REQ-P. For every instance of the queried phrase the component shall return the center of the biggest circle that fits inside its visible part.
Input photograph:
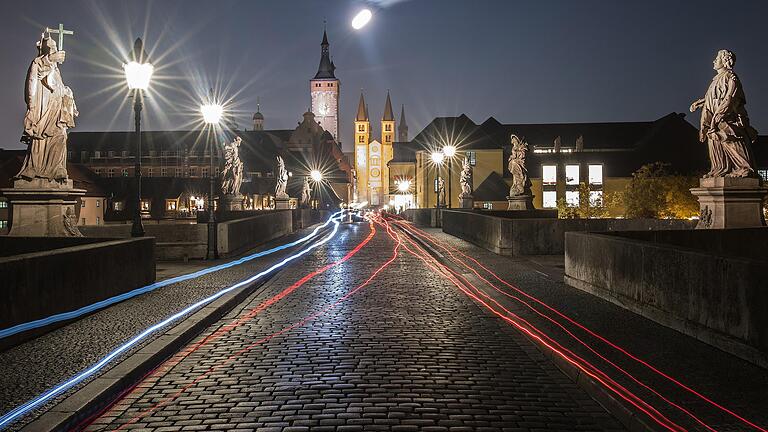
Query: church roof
(326, 68)
(493, 188)
(362, 111)
(388, 115)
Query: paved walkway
(320, 349)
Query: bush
(655, 193)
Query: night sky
(519, 61)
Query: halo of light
(404, 185)
(211, 113)
(361, 19)
(449, 150)
(138, 75)
(437, 157)
(316, 175)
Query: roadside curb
(593, 388)
(102, 391)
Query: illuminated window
(98, 220)
(361, 128)
(549, 199)
(361, 139)
(125, 172)
(82, 203)
(3, 204)
(110, 172)
(388, 138)
(572, 198)
(472, 156)
(388, 128)
(595, 174)
(436, 184)
(595, 198)
(98, 203)
(3, 224)
(549, 174)
(117, 206)
(146, 205)
(170, 204)
(488, 205)
(571, 175)
(763, 173)
(97, 154)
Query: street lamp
(138, 73)
(437, 158)
(212, 113)
(316, 176)
(449, 152)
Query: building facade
(325, 90)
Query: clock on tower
(324, 89)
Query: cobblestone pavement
(725, 379)
(406, 352)
(34, 366)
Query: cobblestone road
(406, 352)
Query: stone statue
(282, 179)
(51, 111)
(466, 180)
(306, 193)
(232, 176)
(516, 164)
(724, 122)
(440, 192)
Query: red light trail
(450, 251)
(293, 326)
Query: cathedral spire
(402, 128)
(388, 114)
(326, 68)
(362, 111)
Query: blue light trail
(10, 331)
(46, 396)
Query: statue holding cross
(51, 111)
(61, 32)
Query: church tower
(402, 129)
(362, 138)
(387, 139)
(324, 90)
(258, 119)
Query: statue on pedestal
(724, 122)
(232, 176)
(520, 183)
(441, 192)
(51, 111)
(282, 179)
(306, 193)
(465, 197)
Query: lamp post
(138, 73)
(449, 151)
(212, 113)
(437, 159)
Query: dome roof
(258, 116)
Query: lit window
(170, 204)
(388, 138)
(595, 174)
(763, 173)
(472, 156)
(388, 127)
(595, 198)
(82, 203)
(361, 128)
(98, 203)
(145, 205)
(549, 174)
(3, 224)
(436, 184)
(361, 139)
(488, 205)
(549, 199)
(3, 204)
(572, 198)
(125, 172)
(572, 175)
(97, 154)
(117, 205)
(98, 220)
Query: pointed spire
(366, 112)
(362, 111)
(402, 117)
(402, 128)
(326, 68)
(388, 114)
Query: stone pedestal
(42, 208)
(282, 203)
(232, 202)
(726, 202)
(467, 202)
(520, 202)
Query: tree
(655, 193)
(591, 205)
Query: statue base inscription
(730, 202)
(232, 202)
(520, 202)
(467, 202)
(43, 208)
(282, 203)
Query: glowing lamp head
(212, 113)
(437, 157)
(404, 186)
(137, 75)
(316, 175)
(361, 19)
(449, 151)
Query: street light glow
(316, 175)
(449, 151)
(437, 157)
(404, 186)
(212, 113)
(361, 19)
(138, 75)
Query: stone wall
(236, 236)
(36, 285)
(709, 284)
(173, 241)
(506, 233)
(428, 217)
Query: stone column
(730, 202)
(520, 202)
(43, 208)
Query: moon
(361, 19)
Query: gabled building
(560, 157)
